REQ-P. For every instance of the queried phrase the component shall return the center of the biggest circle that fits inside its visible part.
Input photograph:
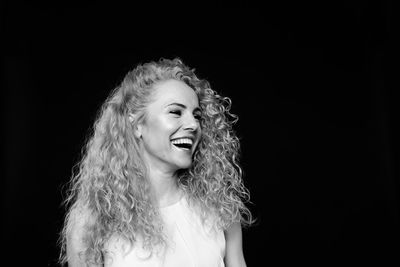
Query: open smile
(183, 143)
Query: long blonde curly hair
(110, 183)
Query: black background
(314, 85)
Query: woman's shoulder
(80, 217)
(79, 220)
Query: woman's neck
(165, 187)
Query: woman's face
(171, 129)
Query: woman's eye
(197, 116)
(176, 112)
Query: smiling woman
(171, 131)
(159, 183)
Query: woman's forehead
(171, 91)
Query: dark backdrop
(314, 85)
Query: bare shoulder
(234, 250)
(79, 220)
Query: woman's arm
(234, 250)
(78, 222)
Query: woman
(159, 183)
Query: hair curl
(111, 183)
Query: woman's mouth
(183, 143)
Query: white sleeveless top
(190, 243)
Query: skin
(173, 113)
(234, 251)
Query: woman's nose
(191, 123)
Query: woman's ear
(138, 130)
(137, 126)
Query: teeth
(182, 141)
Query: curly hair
(111, 183)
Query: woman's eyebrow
(197, 109)
(176, 104)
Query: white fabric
(190, 243)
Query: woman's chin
(183, 165)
